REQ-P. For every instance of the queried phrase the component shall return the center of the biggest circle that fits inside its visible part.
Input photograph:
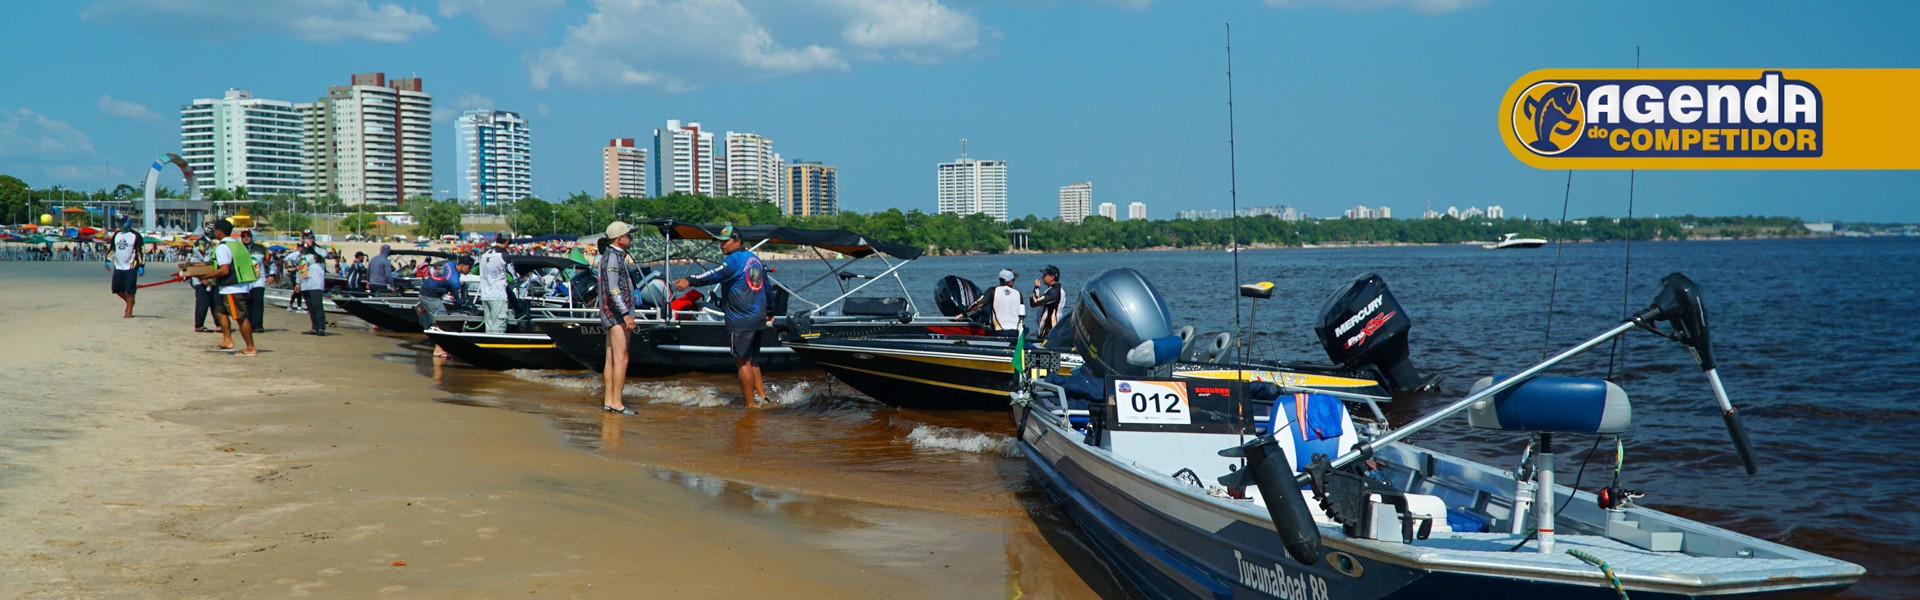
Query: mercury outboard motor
(1363, 327)
(953, 295)
(1121, 326)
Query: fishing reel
(1614, 497)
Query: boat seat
(1208, 347)
(1554, 405)
(874, 307)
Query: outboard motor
(953, 295)
(1121, 326)
(1362, 326)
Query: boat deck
(1626, 559)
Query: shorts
(431, 309)
(126, 281)
(232, 305)
(745, 344)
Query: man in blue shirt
(745, 306)
(442, 282)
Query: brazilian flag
(1020, 354)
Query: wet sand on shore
(137, 461)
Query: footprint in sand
(363, 531)
(476, 512)
(393, 589)
(432, 542)
(329, 572)
(306, 588)
(475, 559)
(486, 533)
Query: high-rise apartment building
(812, 189)
(968, 186)
(494, 157)
(370, 140)
(683, 159)
(242, 141)
(623, 169)
(1108, 210)
(1076, 201)
(1496, 212)
(754, 170)
(1137, 211)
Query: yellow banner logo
(1712, 119)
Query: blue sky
(1376, 102)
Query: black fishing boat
(695, 339)
(523, 345)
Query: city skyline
(882, 104)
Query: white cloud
(30, 141)
(31, 134)
(467, 101)
(228, 20)
(127, 109)
(677, 46)
(1430, 7)
(503, 17)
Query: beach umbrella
(36, 239)
(73, 209)
(277, 248)
(577, 256)
(150, 240)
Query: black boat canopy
(428, 253)
(838, 240)
(528, 261)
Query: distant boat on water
(1513, 240)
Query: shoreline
(146, 465)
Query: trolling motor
(1680, 305)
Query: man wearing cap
(127, 265)
(311, 275)
(442, 281)
(746, 308)
(1008, 310)
(230, 304)
(615, 295)
(1046, 297)
(493, 286)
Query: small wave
(797, 394)
(683, 395)
(934, 437)
(562, 379)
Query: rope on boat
(1595, 561)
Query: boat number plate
(1152, 402)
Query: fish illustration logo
(1549, 118)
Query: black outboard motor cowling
(953, 295)
(1121, 326)
(1362, 326)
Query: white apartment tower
(754, 170)
(623, 169)
(683, 159)
(371, 140)
(243, 141)
(1076, 201)
(969, 186)
(1137, 211)
(1108, 210)
(494, 156)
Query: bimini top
(838, 240)
(427, 253)
(524, 262)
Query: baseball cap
(248, 232)
(306, 233)
(1008, 274)
(728, 233)
(617, 229)
(1051, 270)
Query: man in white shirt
(1009, 308)
(311, 275)
(127, 265)
(493, 286)
(230, 306)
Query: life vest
(243, 269)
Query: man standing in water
(746, 308)
(127, 264)
(615, 295)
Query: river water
(1804, 330)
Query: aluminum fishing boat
(1186, 497)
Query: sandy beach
(138, 462)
